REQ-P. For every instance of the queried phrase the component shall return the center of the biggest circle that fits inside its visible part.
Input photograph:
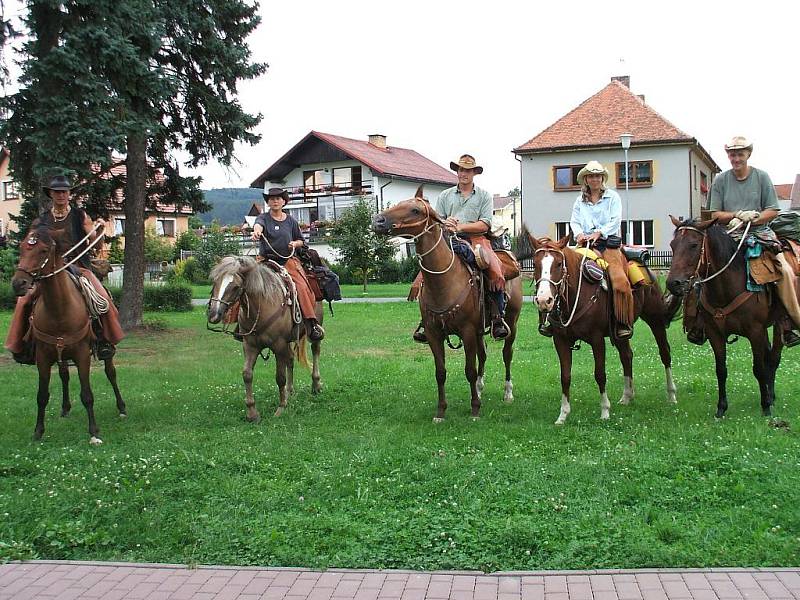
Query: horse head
(688, 246)
(37, 251)
(227, 284)
(407, 218)
(549, 269)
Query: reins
(36, 276)
(414, 239)
(560, 286)
(703, 252)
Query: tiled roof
(784, 191)
(600, 120)
(500, 202)
(117, 200)
(795, 196)
(398, 162)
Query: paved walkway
(69, 580)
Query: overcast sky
(444, 77)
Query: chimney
(623, 79)
(377, 139)
(641, 97)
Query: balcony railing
(309, 193)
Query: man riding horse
(742, 195)
(467, 210)
(76, 225)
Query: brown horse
(60, 325)
(704, 256)
(450, 302)
(268, 318)
(579, 311)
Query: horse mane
(525, 249)
(258, 280)
(718, 238)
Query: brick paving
(70, 580)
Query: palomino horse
(579, 311)
(450, 302)
(268, 318)
(705, 256)
(60, 325)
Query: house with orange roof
(325, 173)
(10, 200)
(784, 193)
(669, 172)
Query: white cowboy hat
(739, 142)
(592, 167)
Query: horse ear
(675, 221)
(702, 225)
(562, 243)
(418, 193)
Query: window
(562, 229)
(119, 226)
(314, 181)
(637, 233)
(10, 190)
(703, 183)
(347, 179)
(641, 174)
(566, 177)
(165, 227)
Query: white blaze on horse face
(544, 291)
(216, 305)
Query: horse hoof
(508, 399)
(95, 441)
(37, 435)
(475, 419)
(254, 418)
(316, 389)
(278, 411)
(438, 420)
(604, 416)
(766, 412)
(559, 421)
(123, 415)
(719, 415)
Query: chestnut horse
(60, 325)
(701, 253)
(268, 318)
(579, 311)
(450, 301)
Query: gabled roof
(388, 162)
(795, 196)
(500, 202)
(116, 203)
(784, 191)
(599, 121)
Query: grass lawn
(374, 290)
(359, 476)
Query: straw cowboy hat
(591, 168)
(57, 184)
(276, 191)
(739, 142)
(466, 161)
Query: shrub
(116, 253)
(193, 272)
(213, 247)
(175, 297)
(188, 240)
(346, 276)
(8, 263)
(156, 248)
(7, 298)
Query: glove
(747, 216)
(734, 224)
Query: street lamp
(625, 140)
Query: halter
(560, 285)
(414, 239)
(703, 253)
(37, 276)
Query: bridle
(561, 285)
(239, 295)
(414, 238)
(33, 240)
(703, 253)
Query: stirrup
(623, 332)
(480, 259)
(25, 357)
(315, 332)
(546, 328)
(419, 335)
(698, 336)
(790, 338)
(500, 329)
(105, 350)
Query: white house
(669, 171)
(325, 173)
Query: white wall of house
(397, 190)
(669, 194)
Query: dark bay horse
(579, 310)
(701, 253)
(60, 325)
(268, 318)
(450, 299)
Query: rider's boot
(545, 326)
(419, 334)
(314, 330)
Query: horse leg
(599, 352)
(481, 352)
(111, 375)
(42, 396)
(472, 340)
(665, 353)
(283, 355)
(717, 341)
(759, 344)
(250, 358)
(83, 362)
(437, 349)
(508, 355)
(63, 373)
(774, 358)
(564, 350)
(290, 373)
(626, 359)
(316, 384)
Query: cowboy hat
(466, 161)
(57, 183)
(276, 191)
(592, 167)
(739, 142)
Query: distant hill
(229, 205)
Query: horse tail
(300, 352)
(667, 304)
(523, 248)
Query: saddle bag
(640, 255)
(592, 272)
(329, 284)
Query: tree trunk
(130, 312)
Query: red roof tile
(500, 202)
(399, 162)
(600, 120)
(784, 191)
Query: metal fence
(660, 260)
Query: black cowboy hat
(57, 183)
(276, 191)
